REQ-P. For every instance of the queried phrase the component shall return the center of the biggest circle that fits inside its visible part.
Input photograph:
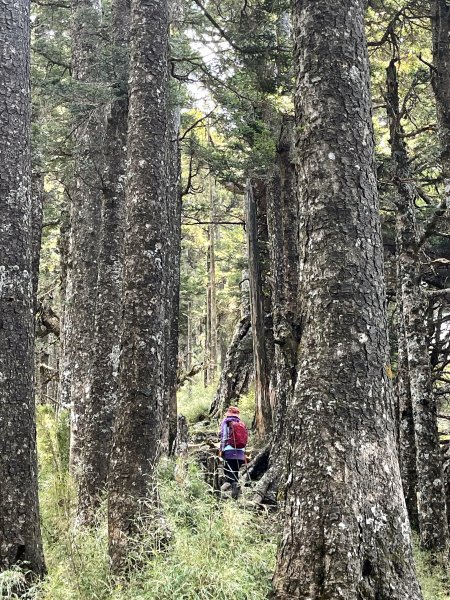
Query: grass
(434, 580)
(217, 549)
(194, 400)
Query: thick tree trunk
(20, 536)
(346, 533)
(85, 220)
(431, 505)
(132, 491)
(237, 370)
(260, 303)
(440, 12)
(100, 404)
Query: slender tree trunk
(346, 533)
(43, 373)
(132, 491)
(431, 505)
(85, 223)
(237, 370)
(283, 223)
(260, 312)
(440, 12)
(37, 198)
(20, 536)
(213, 286)
(100, 404)
(406, 438)
(173, 269)
(189, 338)
(64, 354)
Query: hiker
(233, 439)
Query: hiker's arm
(223, 435)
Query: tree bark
(212, 289)
(173, 269)
(20, 536)
(283, 224)
(260, 303)
(85, 223)
(406, 438)
(37, 196)
(440, 21)
(132, 491)
(431, 498)
(346, 532)
(100, 405)
(237, 370)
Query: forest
(224, 299)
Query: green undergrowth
(217, 549)
(435, 580)
(194, 401)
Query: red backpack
(237, 434)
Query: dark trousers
(231, 468)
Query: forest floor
(219, 549)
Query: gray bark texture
(283, 223)
(431, 497)
(260, 302)
(20, 536)
(283, 227)
(237, 370)
(173, 163)
(100, 404)
(346, 533)
(37, 198)
(85, 220)
(440, 17)
(140, 398)
(406, 438)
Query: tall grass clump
(217, 550)
(77, 561)
(434, 579)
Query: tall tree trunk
(20, 536)
(212, 287)
(85, 220)
(64, 364)
(132, 491)
(406, 438)
(237, 370)
(432, 505)
(100, 404)
(440, 12)
(346, 531)
(261, 325)
(173, 269)
(37, 199)
(283, 223)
